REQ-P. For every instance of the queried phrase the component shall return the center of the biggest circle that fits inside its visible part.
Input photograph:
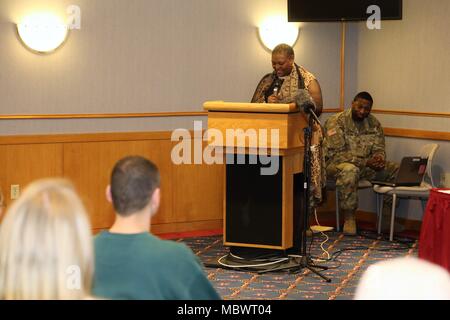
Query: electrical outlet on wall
(15, 191)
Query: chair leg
(379, 211)
(394, 200)
(424, 205)
(338, 228)
(376, 209)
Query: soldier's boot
(350, 222)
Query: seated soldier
(354, 149)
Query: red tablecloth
(434, 243)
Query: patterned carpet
(350, 256)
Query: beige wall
(406, 66)
(149, 56)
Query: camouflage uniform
(348, 145)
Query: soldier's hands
(376, 163)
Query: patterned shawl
(289, 88)
(287, 94)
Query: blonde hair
(46, 249)
(405, 278)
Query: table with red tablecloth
(434, 243)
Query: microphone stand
(305, 259)
(313, 114)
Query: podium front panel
(263, 211)
(253, 205)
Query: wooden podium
(260, 211)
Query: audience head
(46, 249)
(134, 186)
(282, 59)
(404, 279)
(361, 106)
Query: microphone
(276, 85)
(304, 101)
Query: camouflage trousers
(347, 176)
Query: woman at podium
(282, 85)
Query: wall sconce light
(275, 30)
(42, 32)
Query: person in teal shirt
(130, 262)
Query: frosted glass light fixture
(42, 32)
(275, 30)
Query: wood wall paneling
(89, 166)
(192, 194)
(175, 227)
(198, 191)
(21, 164)
(84, 137)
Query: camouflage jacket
(349, 141)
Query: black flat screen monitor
(341, 10)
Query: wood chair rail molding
(417, 134)
(165, 135)
(116, 115)
(410, 113)
(101, 115)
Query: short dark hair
(133, 181)
(364, 95)
(284, 48)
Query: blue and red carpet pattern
(350, 257)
